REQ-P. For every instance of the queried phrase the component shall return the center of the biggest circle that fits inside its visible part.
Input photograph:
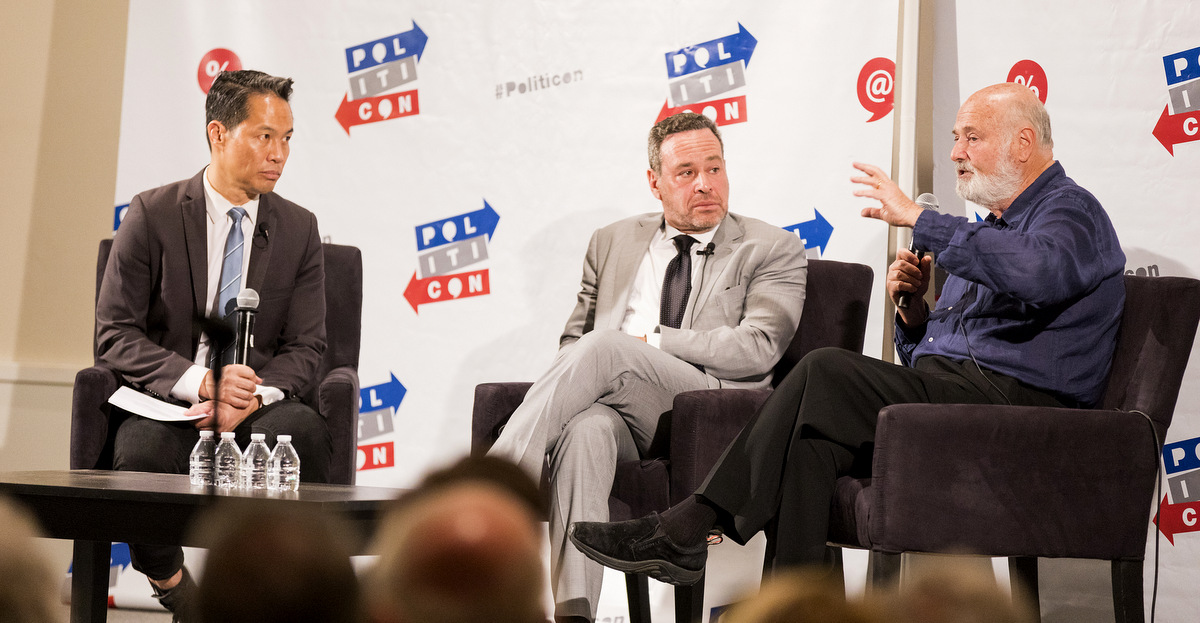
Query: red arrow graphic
(378, 108)
(1176, 518)
(1172, 130)
(446, 288)
(728, 110)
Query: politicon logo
(444, 249)
(377, 409)
(702, 77)
(1180, 118)
(381, 73)
(1180, 512)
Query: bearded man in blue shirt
(1027, 316)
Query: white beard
(990, 190)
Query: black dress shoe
(640, 546)
(179, 599)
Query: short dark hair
(230, 93)
(681, 122)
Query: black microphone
(247, 307)
(265, 232)
(928, 202)
(708, 249)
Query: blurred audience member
(959, 593)
(27, 587)
(266, 565)
(463, 547)
(802, 597)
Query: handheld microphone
(708, 250)
(927, 202)
(247, 307)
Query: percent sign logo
(1030, 75)
(216, 61)
(876, 87)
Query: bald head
(1018, 108)
(468, 552)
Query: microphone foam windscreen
(247, 298)
(927, 201)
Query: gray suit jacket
(156, 283)
(741, 315)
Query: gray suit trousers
(598, 404)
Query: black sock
(689, 522)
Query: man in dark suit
(182, 251)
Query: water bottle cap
(284, 438)
(258, 436)
(228, 435)
(206, 434)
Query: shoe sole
(661, 570)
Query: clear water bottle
(228, 461)
(254, 463)
(284, 473)
(200, 462)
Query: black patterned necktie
(677, 284)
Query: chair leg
(689, 603)
(637, 590)
(1023, 577)
(833, 562)
(883, 571)
(1128, 603)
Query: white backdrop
(1107, 71)
(526, 119)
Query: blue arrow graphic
(386, 50)
(458, 227)
(814, 233)
(730, 49)
(381, 396)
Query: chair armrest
(494, 404)
(337, 401)
(1012, 481)
(703, 423)
(89, 416)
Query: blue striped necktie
(231, 279)
(231, 268)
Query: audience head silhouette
(464, 547)
(267, 565)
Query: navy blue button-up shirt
(1035, 295)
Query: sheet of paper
(134, 401)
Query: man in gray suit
(689, 298)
